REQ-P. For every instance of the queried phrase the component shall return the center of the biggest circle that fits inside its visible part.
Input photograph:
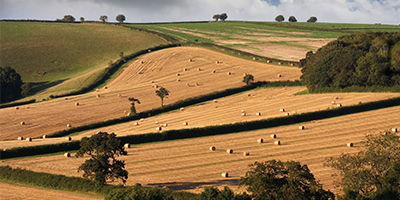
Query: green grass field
(48, 54)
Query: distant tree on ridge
(292, 19)
(312, 19)
(120, 18)
(279, 18)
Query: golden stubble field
(266, 101)
(160, 67)
(189, 164)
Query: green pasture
(70, 56)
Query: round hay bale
(97, 96)
(184, 69)
(190, 60)
(258, 114)
(228, 73)
(249, 95)
(155, 86)
(350, 144)
(287, 114)
(394, 130)
(136, 124)
(199, 69)
(246, 153)
(159, 129)
(142, 62)
(242, 111)
(178, 80)
(196, 84)
(213, 71)
(384, 133)
(165, 125)
(333, 102)
(215, 101)
(230, 151)
(244, 74)
(185, 123)
(77, 104)
(97, 90)
(165, 188)
(151, 81)
(273, 135)
(182, 109)
(28, 139)
(66, 98)
(149, 50)
(129, 114)
(277, 142)
(280, 63)
(22, 123)
(294, 112)
(212, 148)
(301, 127)
(105, 87)
(254, 58)
(282, 110)
(157, 122)
(217, 62)
(178, 74)
(44, 136)
(291, 64)
(67, 155)
(119, 95)
(69, 125)
(187, 84)
(20, 138)
(243, 114)
(17, 108)
(335, 97)
(127, 145)
(338, 105)
(268, 61)
(225, 174)
(141, 119)
(68, 138)
(139, 73)
(279, 75)
(260, 140)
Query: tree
(68, 18)
(213, 193)
(11, 83)
(103, 18)
(372, 173)
(133, 100)
(216, 17)
(82, 19)
(120, 18)
(279, 18)
(162, 92)
(223, 16)
(26, 89)
(292, 19)
(248, 78)
(312, 19)
(102, 165)
(282, 180)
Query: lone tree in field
(120, 18)
(216, 17)
(279, 18)
(248, 79)
(162, 92)
(223, 16)
(67, 18)
(102, 165)
(283, 180)
(292, 19)
(103, 18)
(373, 173)
(133, 100)
(312, 19)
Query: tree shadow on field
(196, 185)
(40, 86)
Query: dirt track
(161, 67)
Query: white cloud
(345, 11)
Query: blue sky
(343, 11)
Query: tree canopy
(248, 78)
(103, 18)
(365, 59)
(103, 148)
(223, 16)
(67, 18)
(373, 173)
(282, 180)
(133, 100)
(120, 18)
(11, 83)
(292, 19)
(279, 18)
(312, 19)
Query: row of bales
(29, 139)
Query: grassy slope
(46, 54)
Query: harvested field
(159, 66)
(228, 110)
(189, 164)
(18, 191)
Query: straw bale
(277, 142)
(273, 135)
(199, 69)
(230, 151)
(185, 123)
(282, 110)
(215, 101)
(105, 87)
(136, 124)
(246, 153)
(243, 114)
(280, 63)
(97, 96)
(16, 108)
(142, 61)
(258, 114)
(301, 127)
(68, 138)
(225, 174)
(67, 155)
(141, 119)
(196, 84)
(287, 114)
(44, 136)
(182, 109)
(159, 129)
(212, 148)
(22, 123)
(29, 139)
(254, 58)
(190, 60)
(338, 105)
(279, 75)
(394, 130)
(268, 61)
(229, 73)
(178, 74)
(260, 140)
(77, 104)
(184, 69)
(350, 144)
(213, 71)
(217, 62)
(178, 80)
(20, 138)
(127, 145)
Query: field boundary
(209, 130)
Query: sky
(140, 11)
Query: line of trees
(69, 18)
(281, 18)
